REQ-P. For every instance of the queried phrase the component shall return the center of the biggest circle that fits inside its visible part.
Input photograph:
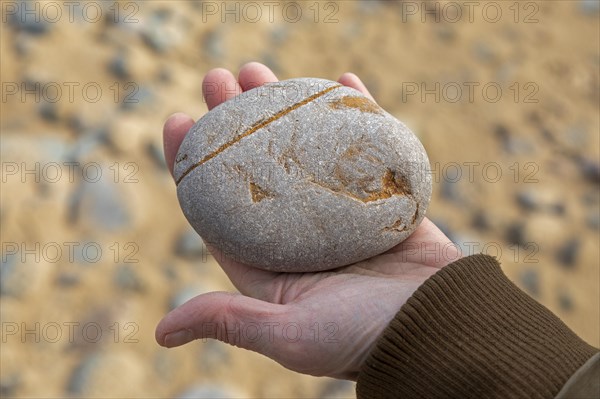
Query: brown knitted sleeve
(468, 331)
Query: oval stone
(302, 175)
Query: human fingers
(231, 318)
(428, 245)
(255, 74)
(174, 131)
(218, 86)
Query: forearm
(468, 331)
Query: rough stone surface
(302, 175)
(530, 280)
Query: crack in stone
(390, 185)
(414, 218)
(363, 104)
(258, 193)
(255, 128)
(398, 226)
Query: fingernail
(178, 338)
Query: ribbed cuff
(468, 331)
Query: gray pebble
(48, 111)
(22, 274)
(558, 208)
(213, 44)
(518, 146)
(154, 34)
(271, 61)
(213, 352)
(484, 52)
(501, 132)
(530, 281)
(527, 200)
(118, 66)
(446, 33)
(481, 221)
(170, 272)
(189, 245)
(165, 75)
(67, 279)
(142, 96)
(590, 169)
(88, 253)
(547, 135)
(302, 175)
(512, 144)
(157, 155)
(591, 198)
(127, 279)
(468, 245)
(108, 373)
(567, 254)
(335, 389)
(155, 40)
(9, 269)
(515, 234)
(565, 301)
(593, 220)
(450, 190)
(53, 148)
(9, 384)
(100, 204)
(82, 374)
(577, 136)
(504, 137)
(350, 31)
(279, 35)
(591, 7)
(368, 6)
(209, 391)
(23, 43)
(90, 139)
(28, 20)
(531, 200)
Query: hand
(324, 323)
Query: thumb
(231, 318)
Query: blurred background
(95, 250)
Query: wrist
(470, 330)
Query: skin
(322, 324)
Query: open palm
(322, 323)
